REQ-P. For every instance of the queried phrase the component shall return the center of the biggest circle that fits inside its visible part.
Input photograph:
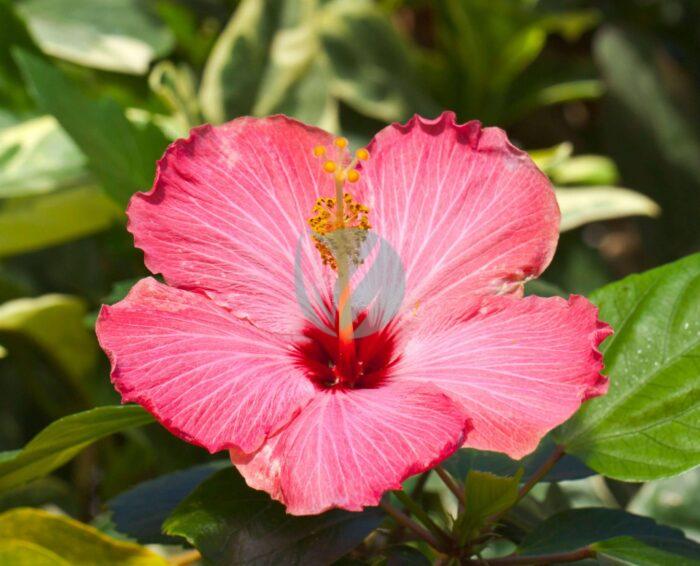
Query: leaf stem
(422, 516)
(452, 486)
(405, 521)
(556, 455)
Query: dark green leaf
(63, 439)
(121, 155)
(232, 524)
(468, 459)
(577, 528)
(646, 427)
(141, 511)
(629, 550)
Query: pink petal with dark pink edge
(208, 377)
(467, 211)
(227, 210)
(348, 447)
(519, 367)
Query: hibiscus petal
(228, 208)
(467, 212)
(208, 377)
(347, 448)
(519, 367)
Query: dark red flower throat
(327, 366)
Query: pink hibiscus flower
(312, 410)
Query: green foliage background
(604, 94)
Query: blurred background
(604, 94)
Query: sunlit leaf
(485, 495)
(236, 65)
(63, 439)
(70, 540)
(584, 170)
(286, 57)
(646, 426)
(582, 205)
(54, 323)
(36, 157)
(115, 35)
(121, 155)
(31, 223)
(23, 553)
(231, 523)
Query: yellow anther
(362, 154)
(353, 176)
(341, 143)
(329, 167)
(319, 150)
(340, 176)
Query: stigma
(339, 224)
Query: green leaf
(121, 155)
(236, 65)
(466, 460)
(646, 426)
(14, 33)
(584, 170)
(22, 553)
(114, 35)
(369, 66)
(577, 528)
(231, 523)
(63, 439)
(674, 501)
(485, 495)
(302, 58)
(582, 205)
(31, 223)
(36, 157)
(54, 323)
(628, 550)
(141, 511)
(69, 540)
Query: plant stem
(405, 521)
(452, 486)
(422, 516)
(556, 455)
(538, 560)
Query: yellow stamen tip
(329, 167)
(319, 150)
(353, 176)
(340, 176)
(362, 154)
(341, 142)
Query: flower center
(339, 227)
(322, 359)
